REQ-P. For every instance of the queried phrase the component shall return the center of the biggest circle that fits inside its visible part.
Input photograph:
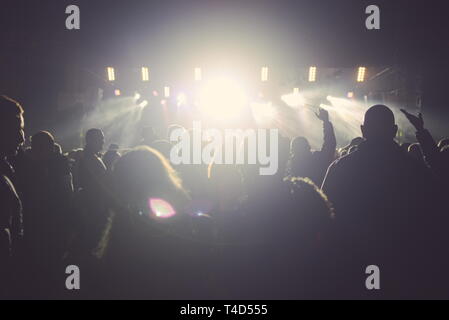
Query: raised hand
(323, 115)
(416, 121)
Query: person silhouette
(310, 164)
(11, 227)
(374, 190)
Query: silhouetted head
(58, 148)
(379, 124)
(356, 141)
(313, 212)
(445, 155)
(11, 126)
(415, 151)
(94, 140)
(443, 143)
(405, 146)
(352, 149)
(144, 173)
(42, 145)
(300, 146)
(163, 146)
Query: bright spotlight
(312, 74)
(222, 98)
(361, 74)
(198, 74)
(166, 92)
(350, 94)
(294, 99)
(137, 96)
(111, 73)
(263, 112)
(145, 74)
(181, 99)
(117, 92)
(264, 74)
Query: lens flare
(161, 208)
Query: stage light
(166, 92)
(264, 74)
(198, 74)
(294, 99)
(137, 96)
(145, 74)
(117, 92)
(361, 74)
(222, 98)
(350, 94)
(181, 99)
(111, 73)
(312, 74)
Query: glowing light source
(295, 90)
(361, 74)
(350, 94)
(137, 96)
(155, 93)
(167, 92)
(222, 98)
(117, 92)
(198, 74)
(161, 208)
(111, 73)
(264, 74)
(145, 74)
(312, 74)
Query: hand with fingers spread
(323, 115)
(416, 121)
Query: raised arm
(428, 145)
(330, 142)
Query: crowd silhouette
(139, 227)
